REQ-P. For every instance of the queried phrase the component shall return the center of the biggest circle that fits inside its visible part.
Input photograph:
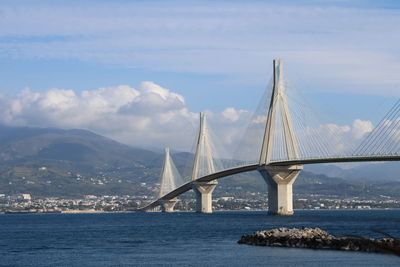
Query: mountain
(70, 162)
(83, 149)
(73, 163)
(317, 184)
(367, 172)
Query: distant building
(226, 198)
(26, 197)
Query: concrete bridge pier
(167, 205)
(280, 180)
(203, 192)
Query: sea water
(182, 239)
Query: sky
(140, 71)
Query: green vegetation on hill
(71, 163)
(54, 162)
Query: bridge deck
(218, 175)
(336, 160)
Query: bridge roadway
(252, 167)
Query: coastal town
(26, 203)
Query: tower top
(278, 117)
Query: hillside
(364, 172)
(70, 163)
(318, 184)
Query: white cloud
(147, 116)
(231, 114)
(335, 140)
(361, 128)
(153, 116)
(260, 119)
(384, 139)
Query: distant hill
(367, 172)
(81, 148)
(49, 161)
(70, 163)
(318, 184)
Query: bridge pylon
(167, 205)
(203, 158)
(167, 183)
(279, 179)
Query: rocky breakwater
(316, 238)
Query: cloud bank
(146, 116)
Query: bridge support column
(168, 204)
(280, 180)
(203, 192)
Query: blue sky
(344, 55)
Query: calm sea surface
(185, 239)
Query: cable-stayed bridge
(286, 144)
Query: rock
(317, 238)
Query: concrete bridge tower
(167, 183)
(279, 178)
(203, 163)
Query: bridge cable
(372, 137)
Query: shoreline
(63, 212)
(177, 211)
